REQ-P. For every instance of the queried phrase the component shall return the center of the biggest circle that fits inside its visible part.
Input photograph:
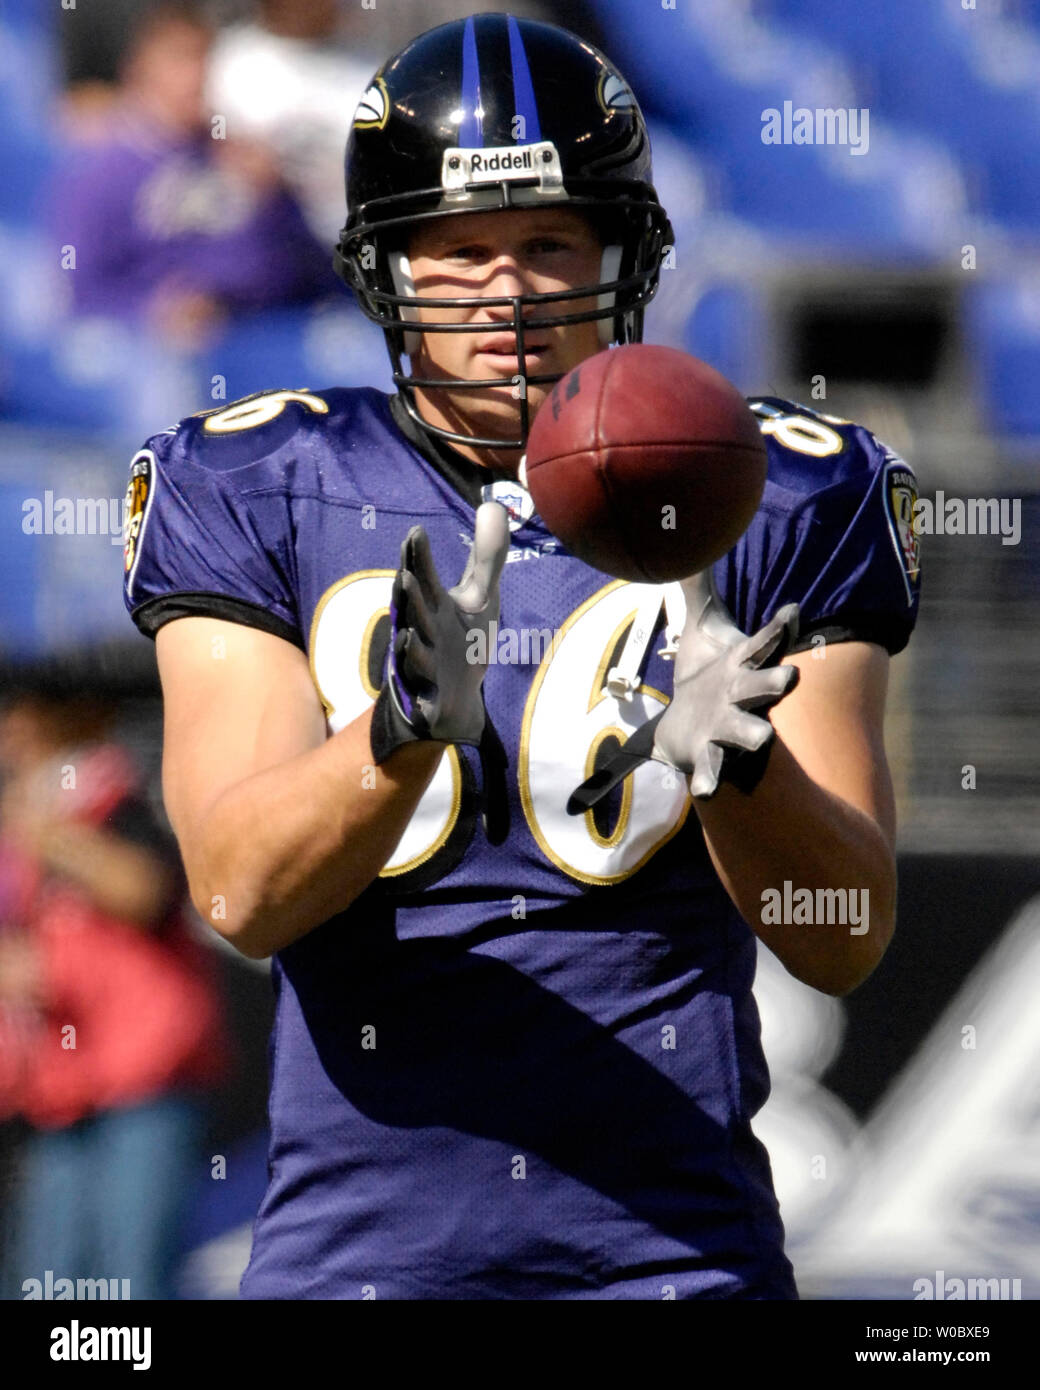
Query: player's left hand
(716, 727)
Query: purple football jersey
(526, 1070)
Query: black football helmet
(495, 112)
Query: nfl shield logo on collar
(516, 500)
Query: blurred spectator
(91, 40)
(110, 1027)
(170, 223)
(293, 75)
(286, 78)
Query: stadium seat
(27, 158)
(713, 72)
(966, 77)
(278, 348)
(21, 559)
(27, 86)
(1002, 319)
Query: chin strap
(623, 679)
(675, 620)
(716, 726)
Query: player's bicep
(236, 702)
(833, 724)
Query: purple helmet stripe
(471, 129)
(523, 88)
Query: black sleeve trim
(857, 627)
(154, 614)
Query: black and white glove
(439, 643)
(716, 727)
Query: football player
(516, 1052)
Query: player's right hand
(440, 640)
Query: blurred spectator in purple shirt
(173, 225)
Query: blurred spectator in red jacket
(110, 1025)
(163, 216)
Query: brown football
(646, 463)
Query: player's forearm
(792, 835)
(288, 848)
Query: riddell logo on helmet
(508, 159)
(466, 166)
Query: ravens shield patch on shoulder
(135, 504)
(900, 501)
